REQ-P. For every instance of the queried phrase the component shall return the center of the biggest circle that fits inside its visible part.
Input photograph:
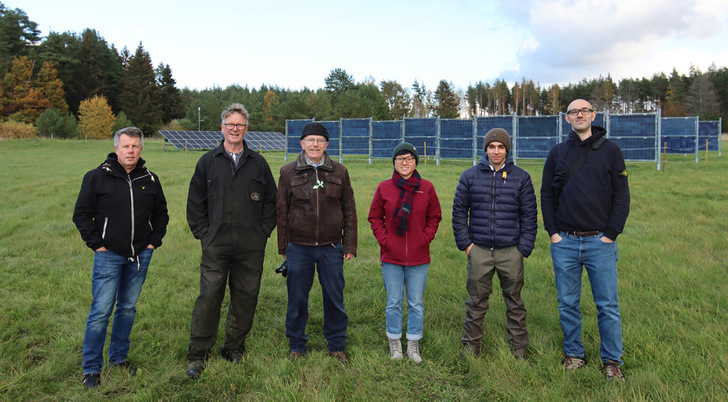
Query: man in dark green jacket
(231, 209)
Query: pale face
(496, 152)
(405, 165)
(580, 123)
(314, 147)
(128, 151)
(234, 136)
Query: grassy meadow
(672, 278)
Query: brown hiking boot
(572, 363)
(612, 371)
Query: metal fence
(641, 136)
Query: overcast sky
(296, 43)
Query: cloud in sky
(625, 38)
(292, 44)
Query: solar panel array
(265, 140)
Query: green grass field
(672, 273)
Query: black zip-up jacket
(122, 212)
(597, 195)
(242, 197)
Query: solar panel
(257, 140)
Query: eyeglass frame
(400, 160)
(585, 111)
(310, 140)
(231, 126)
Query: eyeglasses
(315, 140)
(231, 126)
(575, 112)
(402, 160)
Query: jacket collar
(597, 132)
(483, 164)
(302, 163)
(112, 166)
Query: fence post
(475, 140)
(371, 140)
(697, 140)
(658, 138)
(437, 143)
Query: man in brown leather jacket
(316, 218)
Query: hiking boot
(572, 363)
(91, 380)
(126, 366)
(519, 353)
(295, 355)
(413, 351)
(612, 371)
(469, 350)
(195, 369)
(234, 357)
(395, 349)
(340, 356)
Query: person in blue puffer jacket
(494, 222)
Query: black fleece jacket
(597, 195)
(122, 212)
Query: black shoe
(91, 380)
(295, 355)
(126, 366)
(234, 357)
(340, 356)
(195, 369)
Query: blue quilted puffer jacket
(495, 209)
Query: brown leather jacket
(315, 206)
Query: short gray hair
(234, 108)
(131, 132)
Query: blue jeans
(396, 278)
(302, 262)
(119, 280)
(600, 261)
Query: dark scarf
(406, 196)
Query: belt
(583, 234)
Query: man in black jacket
(231, 209)
(121, 213)
(585, 203)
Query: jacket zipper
(318, 217)
(492, 216)
(106, 223)
(131, 197)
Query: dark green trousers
(482, 265)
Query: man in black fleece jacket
(585, 203)
(121, 214)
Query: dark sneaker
(126, 366)
(234, 357)
(340, 356)
(295, 355)
(572, 363)
(195, 369)
(519, 353)
(91, 380)
(612, 371)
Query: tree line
(70, 85)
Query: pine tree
(447, 101)
(140, 98)
(170, 98)
(17, 35)
(22, 101)
(51, 87)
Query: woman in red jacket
(404, 217)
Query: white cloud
(575, 39)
